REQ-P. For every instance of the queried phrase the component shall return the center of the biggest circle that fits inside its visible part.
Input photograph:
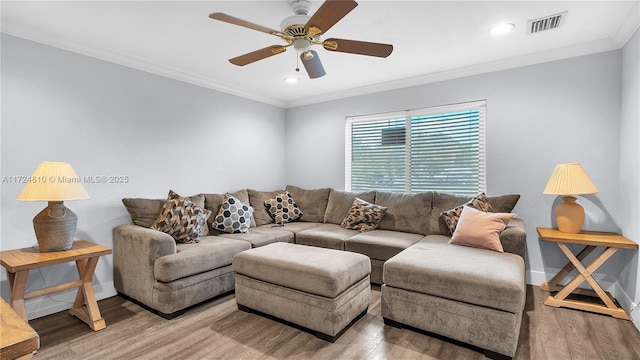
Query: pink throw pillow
(480, 229)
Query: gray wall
(106, 119)
(630, 168)
(537, 116)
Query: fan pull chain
(297, 61)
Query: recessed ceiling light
(291, 80)
(502, 28)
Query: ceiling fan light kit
(302, 31)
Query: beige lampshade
(570, 179)
(53, 181)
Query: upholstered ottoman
(323, 290)
(473, 295)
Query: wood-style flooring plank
(218, 330)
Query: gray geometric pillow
(478, 202)
(233, 216)
(182, 219)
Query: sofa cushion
(407, 212)
(283, 208)
(381, 244)
(256, 200)
(504, 203)
(466, 274)
(341, 201)
(363, 216)
(211, 253)
(480, 229)
(144, 212)
(312, 202)
(451, 216)
(182, 219)
(262, 235)
(234, 216)
(294, 227)
(322, 272)
(330, 236)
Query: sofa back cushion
(256, 200)
(406, 212)
(313, 203)
(503, 203)
(214, 201)
(444, 202)
(340, 202)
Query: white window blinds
(432, 149)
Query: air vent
(546, 23)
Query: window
(431, 149)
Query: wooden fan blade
(313, 65)
(254, 56)
(329, 13)
(235, 21)
(358, 47)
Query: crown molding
(132, 62)
(593, 47)
(627, 29)
(629, 26)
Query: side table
(591, 240)
(18, 340)
(18, 262)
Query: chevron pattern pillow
(182, 219)
(363, 216)
(478, 202)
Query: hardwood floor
(218, 330)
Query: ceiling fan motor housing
(301, 7)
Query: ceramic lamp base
(55, 227)
(569, 215)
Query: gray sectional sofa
(430, 284)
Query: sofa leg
(161, 314)
(393, 323)
(496, 356)
(172, 315)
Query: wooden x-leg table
(591, 240)
(18, 262)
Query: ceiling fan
(302, 31)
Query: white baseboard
(635, 316)
(57, 302)
(633, 309)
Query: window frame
(479, 105)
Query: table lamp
(569, 179)
(55, 226)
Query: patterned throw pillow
(363, 216)
(283, 209)
(233, 216)
(182, 219)
(478, 202)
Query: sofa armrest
(514, 238)
(135, 250)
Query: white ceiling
(433, 40)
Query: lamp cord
(49, 296)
